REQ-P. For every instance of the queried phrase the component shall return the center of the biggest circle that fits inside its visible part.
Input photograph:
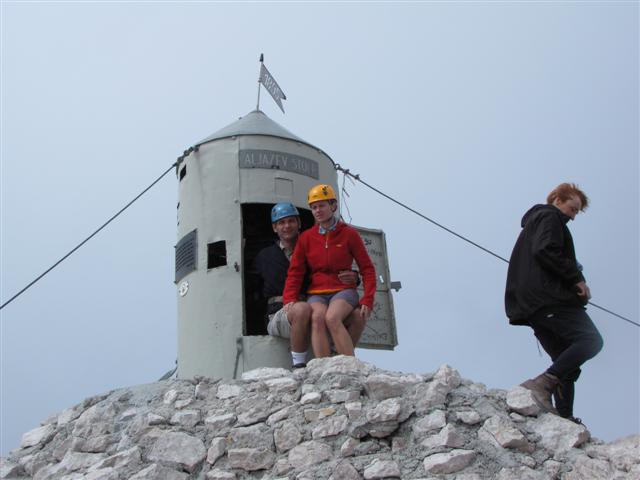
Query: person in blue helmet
(272, 264)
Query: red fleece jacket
(325, 256)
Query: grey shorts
(349, 295)
(279, 325)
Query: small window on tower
(183, 172)
(216, 254)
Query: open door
(380, 331)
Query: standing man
(547, 291)
(272, 263)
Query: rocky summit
(337, 419)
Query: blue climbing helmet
(282, 210)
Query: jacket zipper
(326, 246)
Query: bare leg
(299, 317)
(319, 338)
(336, 314)
(355, 324)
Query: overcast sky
(468, 112)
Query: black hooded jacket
(543, 270)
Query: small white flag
(272, 86)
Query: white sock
(299, 357)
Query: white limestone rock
(155, 419)
(435, 392)
(216, 450)
(345, 471)
(72, 462)
(96, 420)
(434, 421)
(258, 412)
(125, 459)
(354, 410)
(217, 474)
(623, 454)
(521, 400)
(178, 450)
(37, 435)
(449, 462)
(448, 376)
(449, 436)
(469, 417)
(342, 396)
(309, 453)
(67, 416)
(220, 422)
(108, 473)
(382, 469)
(590, 468)
(281, 467)
(128, 414)
(158, 472)
(386, 410)
(203, 390)
(170, 397)
(504, 433)
(123, 423)
(265, 373)
(251, 459)
(381, 386)
(330, 427)
(521, 473)
(558, 434)
(228, 390)
(318, 414)
(282, 385)
(398, 444)
(467, 476)
(281, 414)
(9, 469)
(185, 402)
(186, 418)
(255, 436)
(286, 436)
(348, 448)
(340, 364)
(311, 397)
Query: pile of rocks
(339, 418)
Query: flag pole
(259, 74)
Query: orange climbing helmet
(321, 192)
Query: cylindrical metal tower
(227, 186)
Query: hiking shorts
(349, 295)
(279, 325)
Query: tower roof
(255, 122)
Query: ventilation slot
(217, 254)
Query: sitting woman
(328, 250)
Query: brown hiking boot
(542, 388)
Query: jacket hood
(540, 209)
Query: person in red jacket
(327, 249)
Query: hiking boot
(576, 420)
(542, 388)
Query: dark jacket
(272, 265)
(543, 270)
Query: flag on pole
(272, 86)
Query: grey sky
(469, 113)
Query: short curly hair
(565, 191)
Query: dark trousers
(570, 338)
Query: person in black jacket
(547, 291)
(272, 265)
